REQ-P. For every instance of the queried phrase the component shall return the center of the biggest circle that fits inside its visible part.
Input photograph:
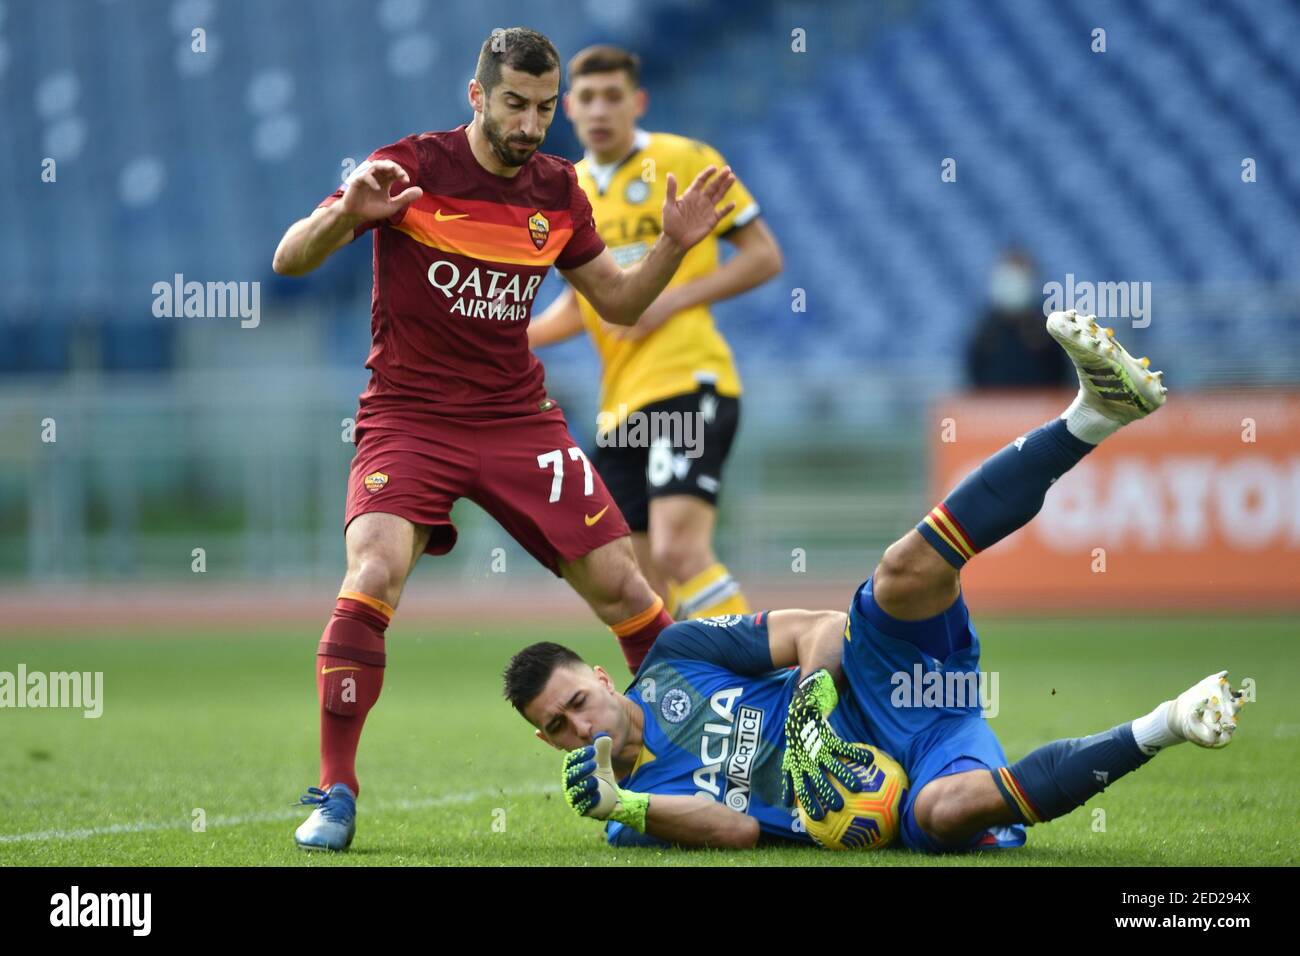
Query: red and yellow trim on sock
(638, 621)
(941, 519)
(370, 602)
(1010, 787)
(947, 536)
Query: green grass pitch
(226, 723)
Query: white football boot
(1114, 387)
(1206, 713)
(333, 823)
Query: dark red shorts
(527, 472)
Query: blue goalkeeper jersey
(715, 712)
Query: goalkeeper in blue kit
(755, 711)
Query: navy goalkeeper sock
(1002, 494)
(1058, 777)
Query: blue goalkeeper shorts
(932, 725)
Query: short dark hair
(529, 670)
(605, 59)
(518, 48)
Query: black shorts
(673, 447)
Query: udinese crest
(675, 706)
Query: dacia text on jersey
(733, 744)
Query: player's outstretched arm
(812, 640)
(561, 320)
(690, 821)
(757, 259)
(619, 295)
(591, 790)
(310, 241)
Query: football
(870, 818)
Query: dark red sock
(638, 633)
(349, 675)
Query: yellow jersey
(627, 201)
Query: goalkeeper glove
(812, 749)
(591, 790)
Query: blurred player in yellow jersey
(670, 395)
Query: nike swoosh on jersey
(331, 670)
(592, 519)
(438, 215)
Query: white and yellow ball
(870, 818)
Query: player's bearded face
(513, 125)
(511, 148)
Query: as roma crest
(539, 228)
(375, 481)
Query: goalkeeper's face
(577, 703)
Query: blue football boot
(333, 823)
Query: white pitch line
(271, 816)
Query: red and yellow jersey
(456, 273)
(627, 200)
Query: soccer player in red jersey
(466, 223)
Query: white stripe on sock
(722, 588)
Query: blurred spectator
(1011, 348)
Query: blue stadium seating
(1122, 165)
